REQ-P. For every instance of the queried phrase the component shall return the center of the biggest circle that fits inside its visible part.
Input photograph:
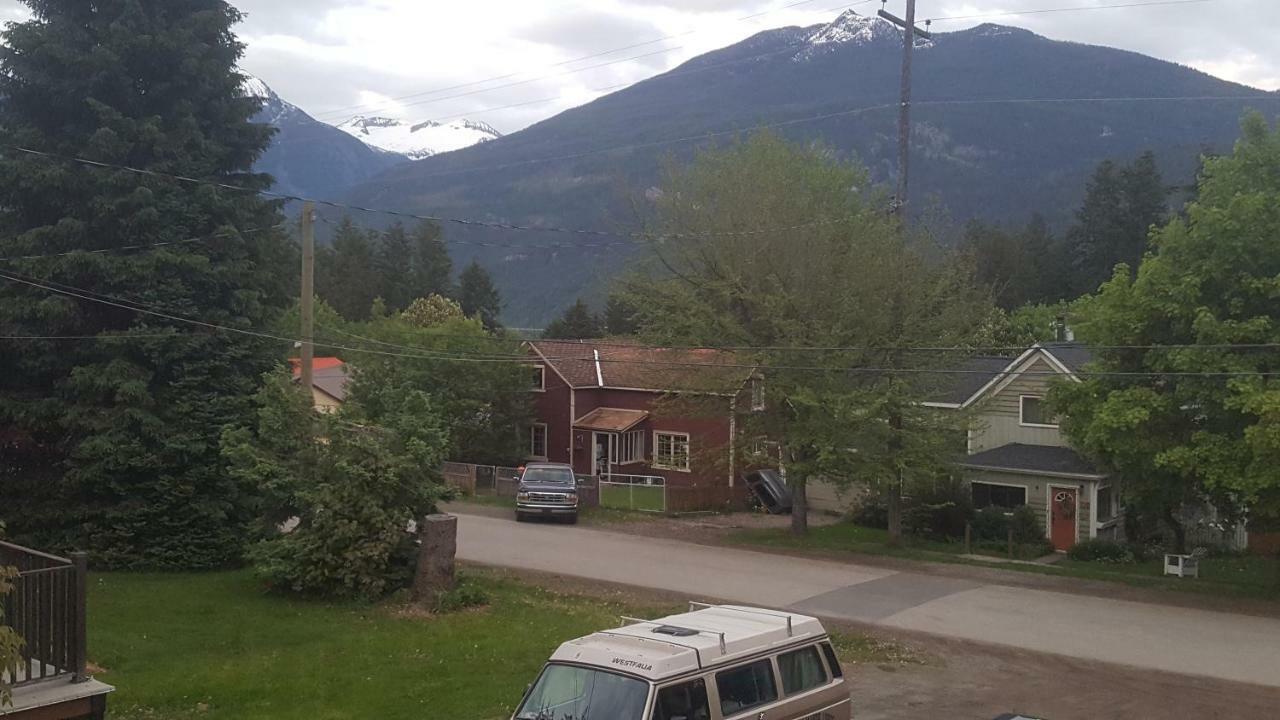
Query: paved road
(1193, 642)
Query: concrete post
(436, 566)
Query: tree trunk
(893, 504)
(435, 572)
(1179, 532)
(799, 505)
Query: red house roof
(320, 363)
(586, 364)
(329, 376)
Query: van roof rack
(695, 606)
(676, 630)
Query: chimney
(1062, 332)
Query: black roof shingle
(1017, 457)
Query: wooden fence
(500, 481)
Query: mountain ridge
(306, 157)
(1006, 122)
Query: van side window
(686, 701)
(801, 670)
(745, 687)
(833, 662)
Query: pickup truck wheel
(572, 519)
(519, 517)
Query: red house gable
(628, 409)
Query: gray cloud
(582, 32)
(326, 55)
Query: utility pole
(909, 33)
(308, 294)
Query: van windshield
(548, 475)
(564, 692)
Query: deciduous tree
(849, 276)
(339, 492)
(1211, 281)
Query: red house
(611, 409)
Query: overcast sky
(336, 58)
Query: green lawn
(845, 537)
(214, 646)
(1244, 576)
(633, 497)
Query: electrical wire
(408, 215)
(1077, 8)
(524, 360)
(738, 131)
(132, 248)
(370, 107)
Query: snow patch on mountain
(275, 109)
(850, 28)
(421, 140)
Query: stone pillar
(435, 575)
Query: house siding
(552, 407)
(707, 427)
(998, 419)
(1038, 494)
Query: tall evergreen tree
(1020, 267)
(394, 270)
(620, 315)
(577, 323)
(478, 297)
(345, 274)
(432, 268)
(1120, 207)
(130, 421)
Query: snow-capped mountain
(850, 28)
(418, 141)
(307, 157)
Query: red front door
(1062, 517)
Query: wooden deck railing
(46, 607)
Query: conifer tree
(129, 420)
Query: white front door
(601, 447)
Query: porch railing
(46, 607)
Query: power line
(346, 110)
(1077, 8)
(149, 246)
(827, 116)
(408, 215)
(89, 296)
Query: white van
(716, 662)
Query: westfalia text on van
(716, 662)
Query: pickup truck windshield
(564, 692)
(548, 475)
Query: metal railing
(46, 608)
(646, 493)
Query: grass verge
(214, 646)
(1238, 576)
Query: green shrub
(938, 513)
(465, 594)
(1109, 551)
(991, 523)
(1027, 527)
(871, 513)
(351, 495)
